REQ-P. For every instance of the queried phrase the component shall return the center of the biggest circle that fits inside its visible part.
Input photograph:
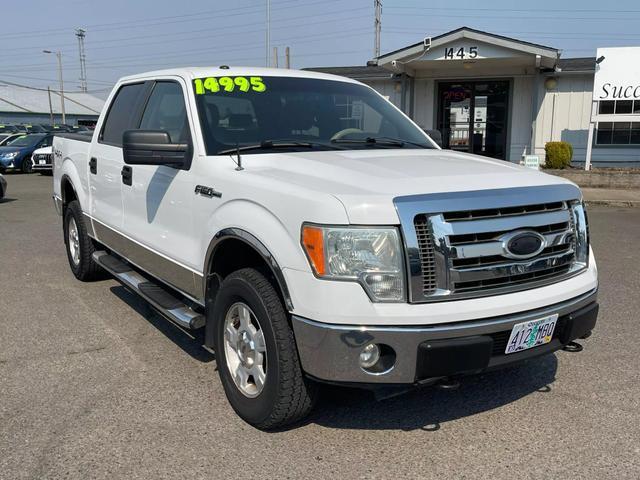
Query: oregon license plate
(531, 334)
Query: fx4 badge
(207, 191)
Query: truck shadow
(426, 408)
(429, 408)
(189, 341)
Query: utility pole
(275, 57)
(59, 55)
(50, 106)
(287, 58)
(80, 33)
(268, 39)
(377, 25)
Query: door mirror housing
(435, 135)
(154, 147)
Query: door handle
(127, 175)
(93, 165)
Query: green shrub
(558, 154)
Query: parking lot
(95, 384)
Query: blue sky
(129, 36)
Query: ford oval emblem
(522, 244)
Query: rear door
(106, 162)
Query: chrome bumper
(57, 202)
(330, 352)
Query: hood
(367, 181)
(43, 150)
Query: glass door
(472, 117)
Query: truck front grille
(462, 252)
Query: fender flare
(259, 247)
(63, 180)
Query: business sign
(617, 75)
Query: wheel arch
(219, 263)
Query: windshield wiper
(273, 144)
(383, 141)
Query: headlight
(10, 155)
(582, 233)
(371, 256)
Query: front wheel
(27, 165)
(256, 353)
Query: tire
(79, 245)
(27, 165)
(285, 396)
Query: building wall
(564, 115)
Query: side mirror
(435, 135)
(154, 147)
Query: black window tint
(606, 107)
(166, 111)
(121, 114)
(636, 106)
(47, 142)
(635, 133)
(603, 136)
(621, 132)
(624, 106)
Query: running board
(165, 302)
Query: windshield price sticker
(228, 84)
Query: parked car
(8, 129)
(34, 128)
(314, 246)
(3, 186)
(6, 138)
(17, 154)
(41, 160)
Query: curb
(614, 203)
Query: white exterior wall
(564, 115)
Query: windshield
(298, 114)
(26, 140)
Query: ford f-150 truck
(317, 234)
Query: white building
(502, 97)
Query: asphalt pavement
(95, 384)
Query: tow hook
(573, 347)
(448, 383)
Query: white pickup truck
(318, 235)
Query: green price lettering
(203, 86)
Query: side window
(121, 115)
(47, 142)
(166, 111)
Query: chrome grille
(427, 260)
(42, 156)
(461, 252)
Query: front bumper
(331, 352)
(42, 168)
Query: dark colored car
(34, 128)
(17, 155)
(4, 128)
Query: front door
(472, 116)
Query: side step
(165, 302)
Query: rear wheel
(256, 353)
(79, 245)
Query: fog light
(369, 355)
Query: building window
(618, 107)
(618, 133)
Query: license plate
(531, 334)
(42, 162)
